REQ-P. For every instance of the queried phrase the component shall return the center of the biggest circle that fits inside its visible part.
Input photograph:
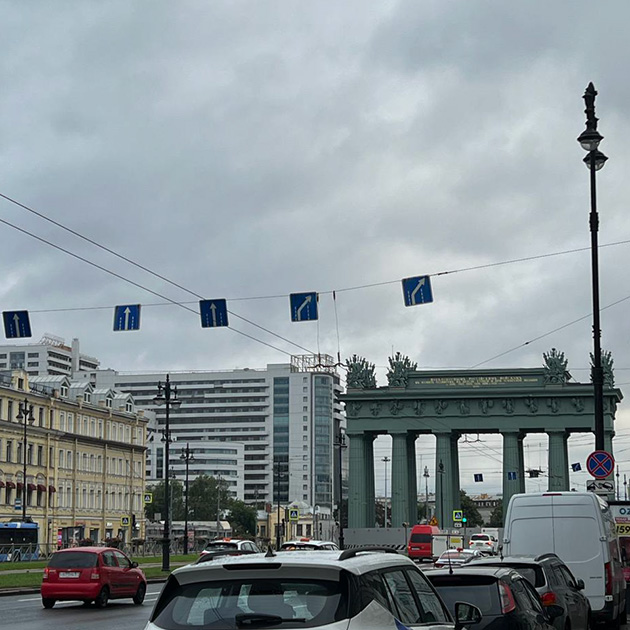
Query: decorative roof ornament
(607, 369)
(399, 368)
(360, 373)
(555, 368)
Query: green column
(608, 441)
(370, 498)
(444, 480)
(511, 482)
(457, 500)
(400, 479)
(357, 481)
(567, 478)
(521, 463)
(558, 461)
(412, 516)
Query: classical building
(85, 458)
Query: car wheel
(103, 598)
(138, 598)
(47, 602)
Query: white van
(578, 527)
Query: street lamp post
(426, 493)
(278, 505)
(187, 457)
(385, 460)
(441, 478)
(589, 139)
(167, 395)
(25, 413)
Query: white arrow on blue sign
(417, 290)
(511, 475)
(16, 324)
(213, 313)
(303, 306)
(127, 317)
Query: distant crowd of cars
(233, 584)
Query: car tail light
(548, 598)
(46, 573)
(95, 575)
(609, 578)
(489, 543)
(507, 599)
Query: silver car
(350, 590)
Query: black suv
(506, 599)
(555, 584)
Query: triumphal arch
(451, 403)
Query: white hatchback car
(358, 589)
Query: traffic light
(464, 520)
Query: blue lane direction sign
(417, 290)
(127, 317)
(303, 306)
(478, 477)
(576, 467)
(213, 313)
(16, 324)
(600, 464)
(511, 475)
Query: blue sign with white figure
(16, 324)
(213, 313)
(127, 317)
(417, 290)
(303, 307)
(478, 477)
(511, 475)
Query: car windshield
(534, 575)
(480, 537)
(73, 560)
(482, 593)
(251, 603)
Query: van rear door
(568, 526)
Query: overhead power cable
(136, 284)
(136, 264)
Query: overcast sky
(254, 149)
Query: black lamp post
(278, 477)
(167, 395)
(187, 457)
(25, 413)
(341, 445)
(589, 139)
(385, 460)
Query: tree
(157, 505)
(205, 495)
(496, 518)
(242, 518)
(470, 511)
(421, 511)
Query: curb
(6, 592)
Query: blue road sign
(213, 313)
(600, 464)
(16, 324)
(478, 477)
(576, 467)
(303, 306)
(417, 290)
(511, 475)
(127, 317)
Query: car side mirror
(466, 615)
(553, 611)
(134, 565)
(579, 584)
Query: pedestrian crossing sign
(294, 514)
(124, 521)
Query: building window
(10, 410)
(61, 459)
(41, 417)
(40, 455)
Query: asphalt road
(25, 612)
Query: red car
(92, 574)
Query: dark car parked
(555, 584)
(505, 598)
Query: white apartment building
(271, 434)
(50, 357)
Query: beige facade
(85, 459)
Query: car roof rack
(542, 556)
(351, 553)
